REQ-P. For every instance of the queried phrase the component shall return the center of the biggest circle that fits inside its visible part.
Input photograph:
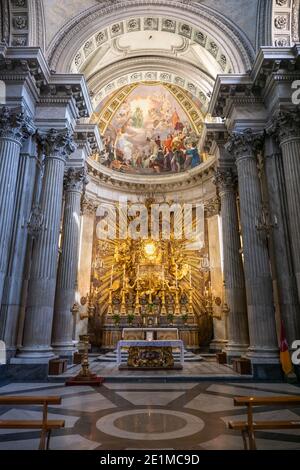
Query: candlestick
(111, 276)
(190, 276)
(176, 276)
(124, 272)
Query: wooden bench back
(18, 400)
(264, 401)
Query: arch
(230, 39)
(143, 69)
(154, 23)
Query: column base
(34, 356)
(65, 351)
(217, 345)
(265, 364)
(10, 353)
(235, 350)
(267, 372)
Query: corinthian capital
(286, 125)
(57, 144)
(244, 144)
(76, 179)
(15, 125)
(225, 179)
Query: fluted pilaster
(14, 128)
(41, 290)
(11, 301)
(287, 128)
(286, 281)
(261, 313)
(68, 264)
(238, 335)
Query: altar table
(174, 344)
(159, 334)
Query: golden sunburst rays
(123, 260)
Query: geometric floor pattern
(119, 416)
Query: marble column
(42, 283)
(285, 278)
(212, 209)
(287, 128)
(14, 127)
(235, 294)
(11, 301)
(263, 349)
(89, 208)
(63, 325)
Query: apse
(155, 129)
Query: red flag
(285, 357)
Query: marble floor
(119, 416)
(206, 369)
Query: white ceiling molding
(150, 24)
(149, 69)
(220, 35)
(285, 22)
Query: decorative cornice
(15, 125)
(189, 179)
(88, 134)
(29, 61)
(271, 64)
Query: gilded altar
(150, 283)
(150, 358)
(150, 354)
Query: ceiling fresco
(150, 132)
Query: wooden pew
(248, 427)
(44, 424)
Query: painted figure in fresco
(150, 134)
(138, 118)
(125, 146)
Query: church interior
(150, 225)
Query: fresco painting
(150, 134)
